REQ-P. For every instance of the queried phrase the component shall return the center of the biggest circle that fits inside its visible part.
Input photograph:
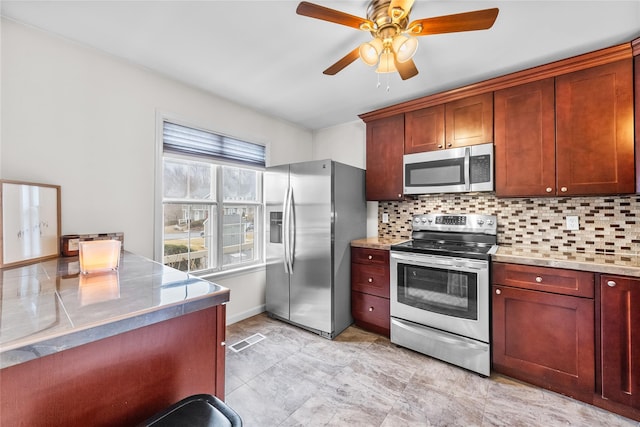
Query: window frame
(218, 204)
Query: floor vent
(247, 342)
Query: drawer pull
(549, 189)
(498, 291)
(370, 308)
(539, 279)
(563, 189)
(370, 256)
(370, 279)
(611, 283)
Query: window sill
(231, 273)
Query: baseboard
(246, 314)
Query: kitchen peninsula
(106, 348)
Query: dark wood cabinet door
(525, 140)
(469, 121)
(424, 130)
(385, 148)
(545, 339)
(620, 332)
(371, 312)
(594, 130)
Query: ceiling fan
(394, 42)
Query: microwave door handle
(467, 168)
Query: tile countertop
(47, 307)
(376, 243)
(618, 264)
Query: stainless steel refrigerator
(314, 210)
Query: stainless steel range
(440, 288)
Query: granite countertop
(376, 243)
(48, 307)
(619, 264)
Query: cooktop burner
(468, 235)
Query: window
(211, 200)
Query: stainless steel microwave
(454, 170)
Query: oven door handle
(434, 261)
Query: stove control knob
(480, 221)
(430, 220)
(489, 222)
(424, 219)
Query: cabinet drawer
(370, 256)
(370, 279)
(546, 279)
(371, 312)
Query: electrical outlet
(573, 222)
(385, 218)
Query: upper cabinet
(424, 130)
(466, 121)
(385, 148)
(594, 130)
(525, 142)
(469, 121)
(582, 146)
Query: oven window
(444, 291)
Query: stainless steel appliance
(314, 210)
(440, 288)
(454, 170)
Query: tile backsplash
(607, 224)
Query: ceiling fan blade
(467, 21)
(406, 69)
(324, 13)
(398, 9)
(346, 60)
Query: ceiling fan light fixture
(404, 47)
(369, 52)
(387, 64)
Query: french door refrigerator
(313, 211)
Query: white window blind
(184, 140)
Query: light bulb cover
(370, 51)
(404, 47)
(387, 63)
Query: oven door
(446, 293)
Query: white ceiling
(260, 53)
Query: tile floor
(296, 378)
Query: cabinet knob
(370, 256)
(370, 308)
(439, 145)
(549, 189)
(498, 291)
(539, 279)
(611, 283)
(399, 196)
(563, 189)
(370, 279)
(223, 343)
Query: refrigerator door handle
(285, 230)
(292, 225)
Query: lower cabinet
(542, 332)
(370, 289)
(620, 335)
